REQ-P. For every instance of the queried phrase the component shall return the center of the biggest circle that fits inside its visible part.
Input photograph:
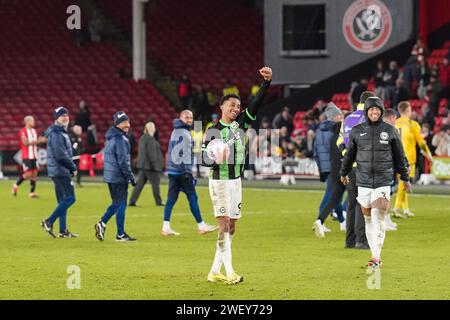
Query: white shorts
(366, 196)
(226, 197)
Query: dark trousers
(356, 226)
(334, 200)
(119, 195)
(65, 195)
(144, 176)
(186, 184)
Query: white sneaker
(408, 213)
(343, 226)
(325, 229)
(207, 229)
(318, 229)
(292, 179)
(390, 227)
(169, 232)
(389, 222)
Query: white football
(215, 148)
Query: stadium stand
(210, 48)
(41, 68)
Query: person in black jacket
(378, 151)
(337, 189)
(150, 165)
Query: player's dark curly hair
(227, 97)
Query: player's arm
(27, 142)
(340, 141)
(349, 157)
(62, 156)
(422, 143)
(256, 103)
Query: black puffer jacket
(378, 151)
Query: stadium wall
(340, 54)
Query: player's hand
(345, 180)
(41, 140)
(75, 173)
(223, 156)
(133, 182)
(266, 72)
(408, 186)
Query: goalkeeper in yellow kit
(411, 136)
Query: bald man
(179, 168)
(28, 145)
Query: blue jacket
(117, 163)
(181, 156)
(322, 146)
(59, 152)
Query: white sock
(379, 231)
(217, 263)
(166, 225)
(103, 224)
(226, 254)
(388, 219)
(369, 232)
(201, 225)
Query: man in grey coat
(150, 165)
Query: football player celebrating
(224, 151)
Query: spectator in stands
(378, 76)
(444, 77)
(214, 119)
(358, 90)
(433, 93)
(92, 136)
(230, 88)
(211, 96)
(312, 123)
(83, 117)
(265, 123)
(75, 135)
(420, 50)
(150, 165)
(319, 107)
(400, 93)
(184, 90)
(441, 141)
(423, 79)
(283, 119)
(200, 104)
(156, 133)
(390, 77)
(96, 27)
(254, 88)
(411, 75)
(427, 117)
(428, 135)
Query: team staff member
(61, 169)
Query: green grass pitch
(274, 249)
